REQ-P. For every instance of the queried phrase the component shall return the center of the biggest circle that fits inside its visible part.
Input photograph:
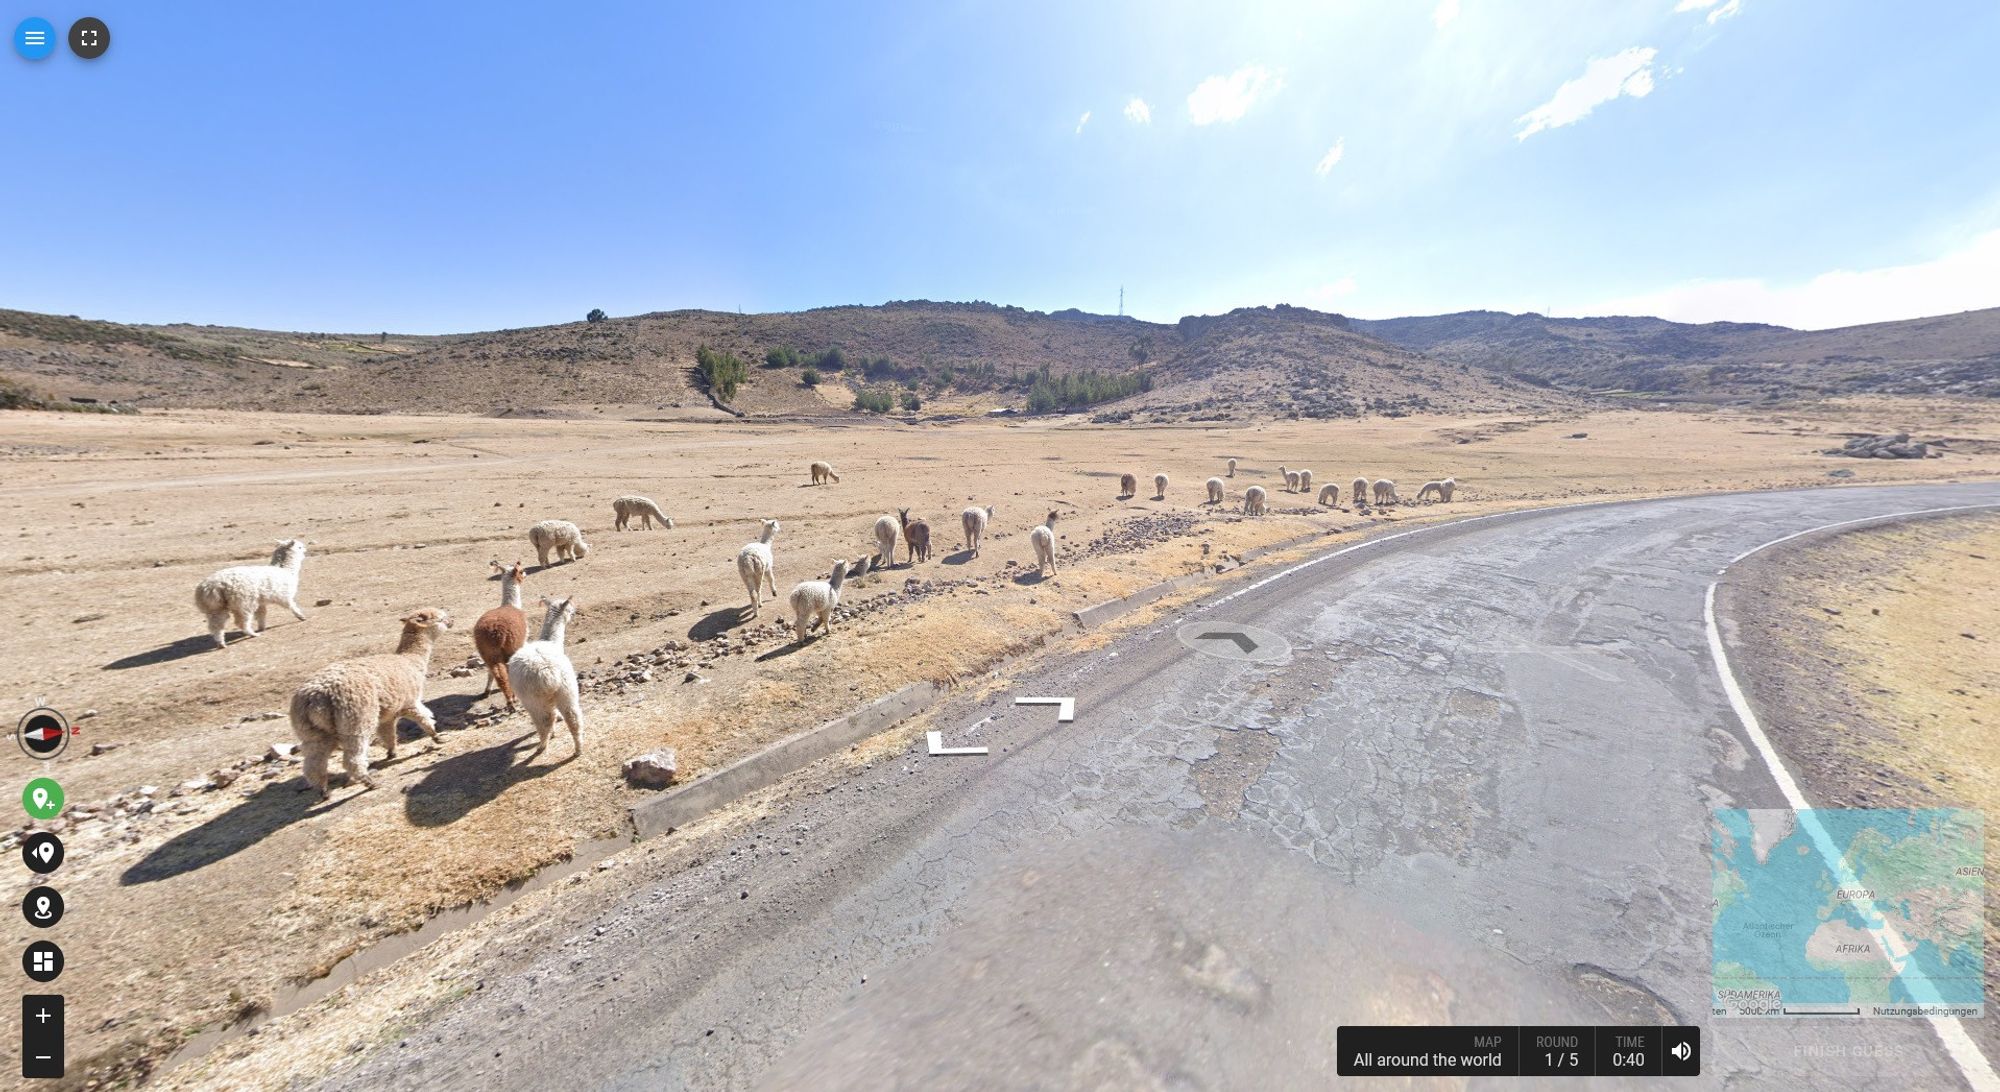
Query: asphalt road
(1475, 788)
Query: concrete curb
(778, 761)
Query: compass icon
(43, 733)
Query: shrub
(911, 402)
(873, 400)
(1049, 392)
(784, 356)
(810, 376)
(723, 372)
(596, 315)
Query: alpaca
(823, 472)
(560, 535)
(1291, 479)
(1159, 487)
(974, 521)
(1043, 539)
(1358, 492)
(624, 508)
(916, 536)
(1305, 481)
(753, 564)
(500, 632)
(545, 679)
(1253, 501)
(1232, 469)
(246, 591)
(1128, 485)
(885, 542)
(1443, 488)
(344, 703)
(1329, 495)
(1215, 490)
(1385, 492)
(815, 601)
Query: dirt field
(197, 901)
(1878, 670)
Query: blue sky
(430, 168)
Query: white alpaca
(822, 473)
(1305, 481)
(1128, 484)
(345, 703)
(1385, 492)
(973, 521)
(559, 535)
(545, 681)
(1215, 490)
(1043, 539)
(1329, 494)
(1253, 501)
(815, 601)
(1159, 487)
(1291, 479)
(1442, 487)
(885, 541)
(624, 508)
(753, 564)
(244, 592)
(1359, 494)
(1232, 468)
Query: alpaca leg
(385, 736)
(354, 758)
(292, 605)
(314, 751)
(241, 615)
(572, 714)
(544, 722)
(218, 626)
(506, 688)
(426, 720)
(542, 554)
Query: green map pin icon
(43, 798)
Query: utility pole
(1121, 301)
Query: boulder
(652, 770)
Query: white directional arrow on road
(936, 740)
(1065, 707)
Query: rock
(322, 602)
(265, 715)
(282, 752)
(104, 748)
(87, 714)
(222, 778)
(652, 770)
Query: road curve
(1474, 789)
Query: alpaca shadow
(451, 789)
(277, 805)
(718, 622)
(449, 709)
(178, 650)
(1034, 577)
(787, 649)
(958, 558)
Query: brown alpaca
(502, 631)
(916, 535)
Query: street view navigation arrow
(936, 740)
(1243, 640)
(1065, 707)
(1234, 641)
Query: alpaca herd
(351, 704)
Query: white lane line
(1971, 1062)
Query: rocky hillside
(944, 357)
(1719, 361)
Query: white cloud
(1604, 79)
(1082, 121)
(1327, 297)
(1332, 158)
(1966, 279)
(1446, 11)
(1227, 98)
(1718, 14)
(1138, 113)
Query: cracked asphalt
(1475, 790)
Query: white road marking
(1065, 707)
(1971, 1062)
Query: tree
(722, 371)
(596, 315)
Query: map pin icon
(41, 796)
(45, 851)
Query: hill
(950, 357)
(1719, 361)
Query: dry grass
(245, 888)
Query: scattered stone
(282, 752)
(652, 770)
(322, 602)
(1872, 446)
(104, 748)
(1577, 436)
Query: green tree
(723, 372)
(596, 315)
